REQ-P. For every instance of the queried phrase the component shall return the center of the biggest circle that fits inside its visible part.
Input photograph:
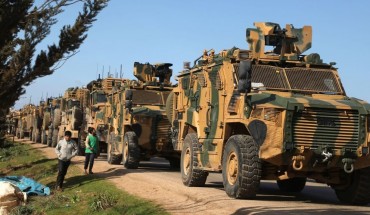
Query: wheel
(54, 140)
(294, 185)
(32, 135)
(174, 163)
(131, 151)
(113, 158)
(81, 143)
(357, 192)
(37, 136)
(241, 167)
(44, 137)
(191, 176)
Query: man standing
(66, 149)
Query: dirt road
(154, 181)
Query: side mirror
(245, 77)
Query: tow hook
(348, 165)
(298, 162)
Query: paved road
(154, 181)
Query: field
(83, 194)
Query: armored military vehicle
(95, 114)
(37, 117)
(273, 115)
(25, 126)
(47, 125)
(139, 128)
(72, 105)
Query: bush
(102, 201)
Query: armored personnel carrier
(271, 113)
(139, 128)
(72, 105)
(95, 112)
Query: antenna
(120, 72)
(97, 70)
(102, 76)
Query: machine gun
(147, 73)
(289, 43)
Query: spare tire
(169, 107)
(57, 118)
(46, 121)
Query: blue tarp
(28, 185)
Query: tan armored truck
(139, 128)
(273, 114)
(94, 114)
(72, 105)
(25, 123)
(37, 121)
(48, 120)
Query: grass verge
(83, 194)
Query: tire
(191, 176)
(50, 136)
(174, 163)
(46, 121)
(357, 193)
(293, 185)
(111, 157)
(241, 167)
(169, 107)
(57, 118)
(54, 140)
(38, 136)
(44, 137)
(130, 151)
(114, 158)
(81, 144)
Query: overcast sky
(176, 31)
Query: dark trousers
(89, 158)
(62, 171)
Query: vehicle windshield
(99, 97)
(297, 79)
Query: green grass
(82, 195)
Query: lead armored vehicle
(271, 113)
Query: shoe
(59, 189)
(85, 172)
(90, 173)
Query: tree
(23, 26)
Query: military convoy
(267, 113)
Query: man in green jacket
(91, 149)
(66, 149)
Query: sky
(177, 31)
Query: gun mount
(148, 73)
(289, 43)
